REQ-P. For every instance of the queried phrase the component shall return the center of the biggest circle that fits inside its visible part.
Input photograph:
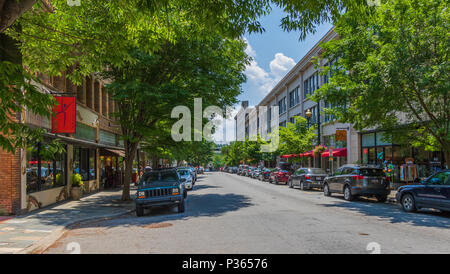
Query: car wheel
(181, 206)
(381, 198)
(326, 190)
(302, 185)
(348, 193)
(408, 203)
(139, 211)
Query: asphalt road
(227, 213)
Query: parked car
(264, 175)
(234, 170)
(201, 170)
(186, 174)
(242, 169)
(249, 171)
(256, 172)
(162, 187)
(279, 176)
(433, 192)
(358, 180)
(307, 178)
(194, 174)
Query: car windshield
(169, 176)
(371, 172)
(316, 171)
(184, 172)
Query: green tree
(397, 58)
(296, 137)
(148, 90)
(233, 153)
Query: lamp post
(308, 116)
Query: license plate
(375, 181)
(318, 178)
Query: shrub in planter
(77, 186)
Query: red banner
(64, 115)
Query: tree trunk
(11, 10)
(447, 158)
(155, 161)
(130, 154)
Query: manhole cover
(157, 225)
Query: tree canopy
(392, 71)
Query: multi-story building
(290, 98)
(30, 179)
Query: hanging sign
(64, 115)
(341, 135)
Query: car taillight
(308, 177)
(358, 177)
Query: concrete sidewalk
(37, 230)
(391, 197)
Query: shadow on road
(206, 205)
(200, 187)
(394, 214)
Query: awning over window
(338, 152)
(307, 154)
(111, 152)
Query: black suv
(160, 187)
(358, 180)
(433, 192)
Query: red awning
(286, 156)
(338, 152)
(308, 154)
(326, 153)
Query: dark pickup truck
(162, 187)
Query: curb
(44, 243)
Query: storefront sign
(341, 135)
(63, 120)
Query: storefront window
(383, 139)
(85, 163)
(368, 140)
(44, 171)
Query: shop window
(44, 171)
(85, 163)
(368, 140)
(383, 139)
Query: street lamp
(308, 115)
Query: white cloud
(266, 80)
(281, 65)
(249, 50)
(229, 127)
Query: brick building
(29, 179)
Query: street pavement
(36, 230)
(227, 213)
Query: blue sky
(274, 52)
